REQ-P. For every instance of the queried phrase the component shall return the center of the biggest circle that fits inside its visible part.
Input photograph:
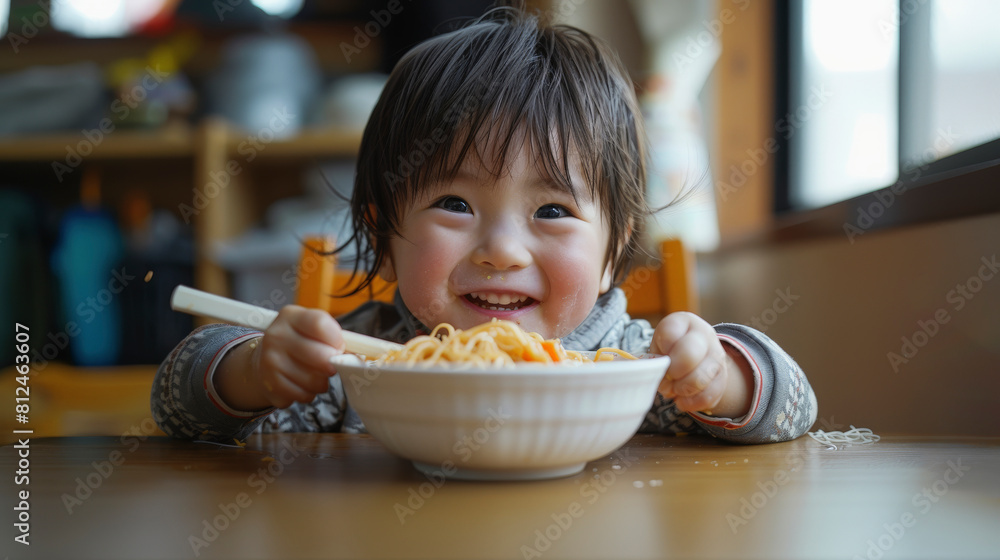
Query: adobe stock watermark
(86, 311)
(886, 197)
(901, 13)
(922, 502)
(291, 279)
(212, 527)
(424, 148)
(121, 108)
(958, 297)
(768, 488)
(786, 126)
(248, 149)
(224, 7)
(639, 277)
(373, 28)
(101, 471)
(30, 26)
(464, 449)
(712, 29)
(563, 9)
(562, 521)
(372, 371)
(781, 304)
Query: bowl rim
(618, 366)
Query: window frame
(963, 184)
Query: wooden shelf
(177, 142)
(118, 144)
(309, 143)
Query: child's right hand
(292, 361)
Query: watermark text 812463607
(22, 394)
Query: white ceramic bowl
(513, 423)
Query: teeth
(497, 299)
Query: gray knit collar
(606, 314)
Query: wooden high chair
(653, 291)
(669, 285)
(320, 280)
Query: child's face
(515, 248)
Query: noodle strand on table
(494, 343)
(852, 436)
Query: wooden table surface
(344, 496)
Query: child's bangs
(492, 105)
(491, 145)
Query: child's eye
(552, 211)
(453, 204)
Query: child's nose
(502, 247)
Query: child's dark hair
(505, 78)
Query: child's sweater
(185, 404)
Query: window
(847, 99)
(4, 16)
(882, 93)
(961, 79)
(118, 18)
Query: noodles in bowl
(495, 403)
(491, 344)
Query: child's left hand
(702, 376)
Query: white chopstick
(196, 302)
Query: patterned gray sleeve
(783, 408)
(184, 403)
(324, 414)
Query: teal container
(86, 262)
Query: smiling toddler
(501, 175)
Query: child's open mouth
(499, 302)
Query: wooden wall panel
(744, 118)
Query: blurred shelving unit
(174, 167)
(226, 198)
(177, 167)
(219, 197)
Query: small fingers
(667, 388)
(686, 354)
(315, 325)
(311, 336)
(310, 354)
(696, 377)
(706, 398)
(699, 378)
(282, 391)
(308, 380)
(668, 331)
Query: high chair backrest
(657, 290)
(320, 281)
(653, 291)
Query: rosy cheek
(573, 286)
(568, 268)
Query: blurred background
(839, 162)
